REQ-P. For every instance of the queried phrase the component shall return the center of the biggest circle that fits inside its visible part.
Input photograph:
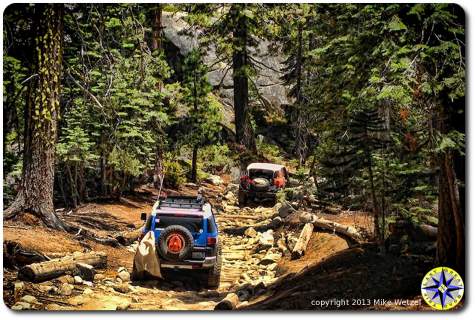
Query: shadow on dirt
(176, 280)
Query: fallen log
(42, 271)
(228, 303)
(302, 242)
(346, 231)
(15, 255)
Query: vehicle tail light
(246, 181)
(278, 183)
(211, 241)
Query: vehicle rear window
(256, 173)
(191, 223)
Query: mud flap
(146, 261)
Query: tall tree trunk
(450, 238)
(451, 228)
(157, 28)
(300, 127)
(244, 132)
(194, 161)
(103, 165)
(373, 196)
(156, 47)
(36, 191)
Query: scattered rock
(99, 277)
(76, 301)
(272, 267)
(20, 305)
(250, 232)
(266, 240)
(284, 209)
(232, 187)
(87, 291)
(47, 288)
(53, 307)
(123, 305)
(270, 258)
(66, 289)
(122, 288)
(230, 197)
(66, 279)
(124, 275)
(88, 283)
(19, 287)
(77, 280)
(215, 180)
(29, 299)
(85, 271)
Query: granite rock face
(269, 65)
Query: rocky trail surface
(256, 256)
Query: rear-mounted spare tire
(175, 243)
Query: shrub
(215, 158)
(175, 175)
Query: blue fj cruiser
(186, 235)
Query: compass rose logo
(442, 288)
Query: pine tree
(43, 107)
(204, 118)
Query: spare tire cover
(261, 182)
(175, 243)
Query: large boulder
(266, 240)
(272, 93)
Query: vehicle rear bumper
(207, 263)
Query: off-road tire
(242, 198)
(214, 274)
(185, 251)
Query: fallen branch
(302, 242)
(47, 270)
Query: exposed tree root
(51, 220)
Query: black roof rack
(182, 202)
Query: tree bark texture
(302, 242)
(244, 132)
(42, 271)
(41, 115)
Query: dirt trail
(243, 262)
